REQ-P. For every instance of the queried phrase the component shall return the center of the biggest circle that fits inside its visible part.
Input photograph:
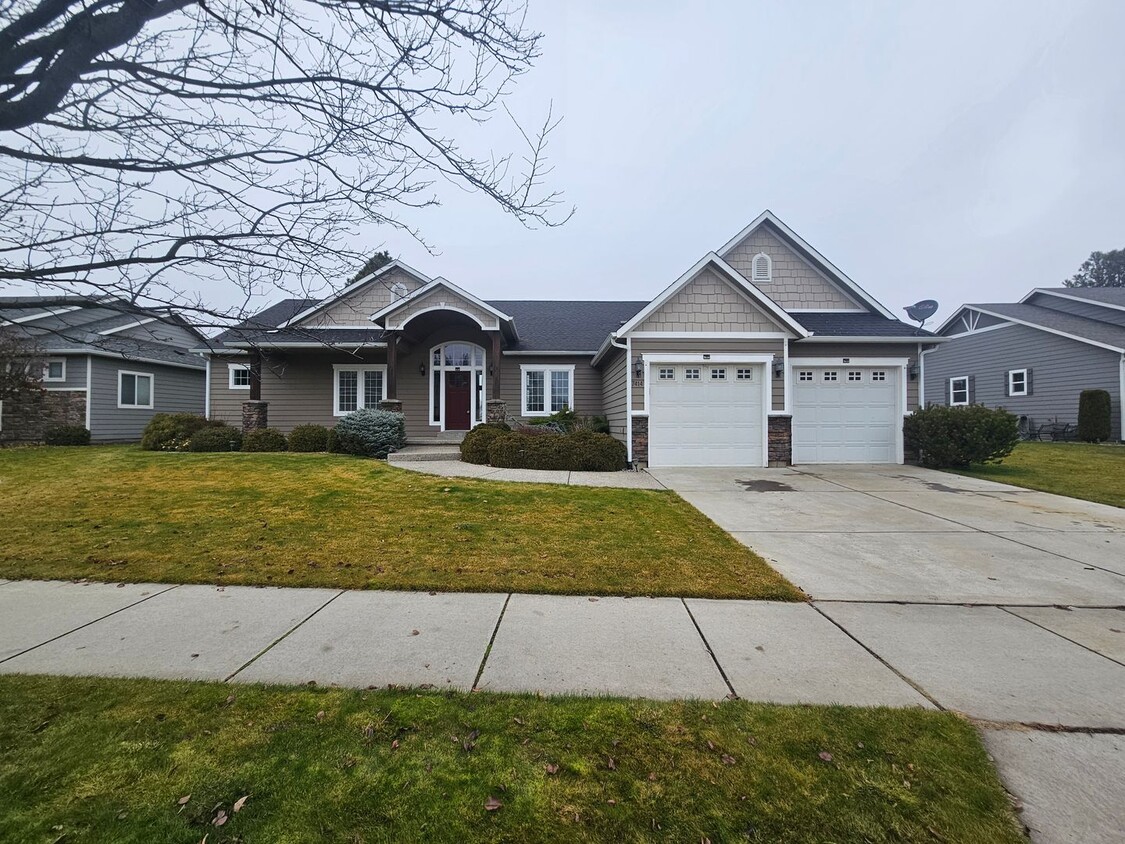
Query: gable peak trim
(354, 286)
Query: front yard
(92, 760)
(1079, 470)
(121, 514)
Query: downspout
(922, 374)
(207, 392)
(89, 391)
(1121, 396)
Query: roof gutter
(849, 338)
(102, 353)
(610, 341)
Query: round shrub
(66, 435)
(596, 452)
(216, 438)
(956, 437)
(172, 431)
(370, 433)
(1094, 415)
(308, 438)
(474, 448)
(264, 439)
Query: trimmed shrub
(66, 435)
(172, 431)
(308, 438)
(1094, 412)
(584, 451)
(956, 437)
(474, 448)
(564, 420)
(264, 439)
(370, 433)
(216, 438)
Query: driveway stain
(764, 486)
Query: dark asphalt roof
(1090, 329)
(555, 326)
(1105, 295)
(252, 328)
(829, 324)
(79, 330)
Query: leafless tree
(149, 148)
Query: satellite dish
(921, 311)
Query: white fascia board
(1082, 299)
(351, 288)
(710, 335)
(798, 363)
(199, 367)
(849, 338)
(949, 320)
(832, 269)
(976, 331)
(748, 290)
(135, 324)
(373, 345)
(545, 353)
(431, 286)
(41, 315)
(1054, 331)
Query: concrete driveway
(1004, 604)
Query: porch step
(414, 453)
(438, 438)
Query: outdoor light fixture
(490, 370)
(422, 369)
(913, 372)
(778, 368)
(639, 368)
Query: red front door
(457, 401)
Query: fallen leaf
(611, 802)
(727, 759)
(710, 744)
(652, 776)
(229, 700)
(239, 803)
(369, 730)
(220, 818)
(825, 756)
(611, 763)
(394, 745)
(492, 804)
(415, 632)
(183, 800)
(320, 715)
(552, 768)
(592, 600)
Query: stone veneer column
(640, 440)
(496, 410)
(255, 414)
(780, 441)
(393, 405)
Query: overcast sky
(956, 151)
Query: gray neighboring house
(106, 365)
(762, 353)
(1035, 356)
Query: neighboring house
(763, 352)
(105, 364)
(1035, 356)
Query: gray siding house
(763, 352)
(105, 364)
(1035, 356)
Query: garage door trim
(900, 364)
(654, 359)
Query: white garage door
(706, 414)
(846, 414)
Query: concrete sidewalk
(1012, 669)
(456, 469)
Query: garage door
(846, 414)
(706, 415)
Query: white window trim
(437, 401)
(47, 369)
(952, 389)
(121, 373)
(1011, 385)
(233, 368)
(546, 369)
(361, 389)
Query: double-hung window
(546, 389)
(1017, 382)
(134, 389)
(356, 387)
(959, 391)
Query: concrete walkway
(456, 469)
(1011, 669)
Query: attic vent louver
(398, 289)
(761, 267)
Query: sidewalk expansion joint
(491, 640)
(1039, 727)
(280, 638)
(1061, 636)
(896, 672)
(710, 651)
(88, 623)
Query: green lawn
(122, 514)
(95, 760)
(1080, 470)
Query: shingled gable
(711, 261)
(380, 276)
(767, 219)
(442, 294)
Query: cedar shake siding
(174, 390)
(357, 307)
(1061, 368)
(795, 283)
(709, 303)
